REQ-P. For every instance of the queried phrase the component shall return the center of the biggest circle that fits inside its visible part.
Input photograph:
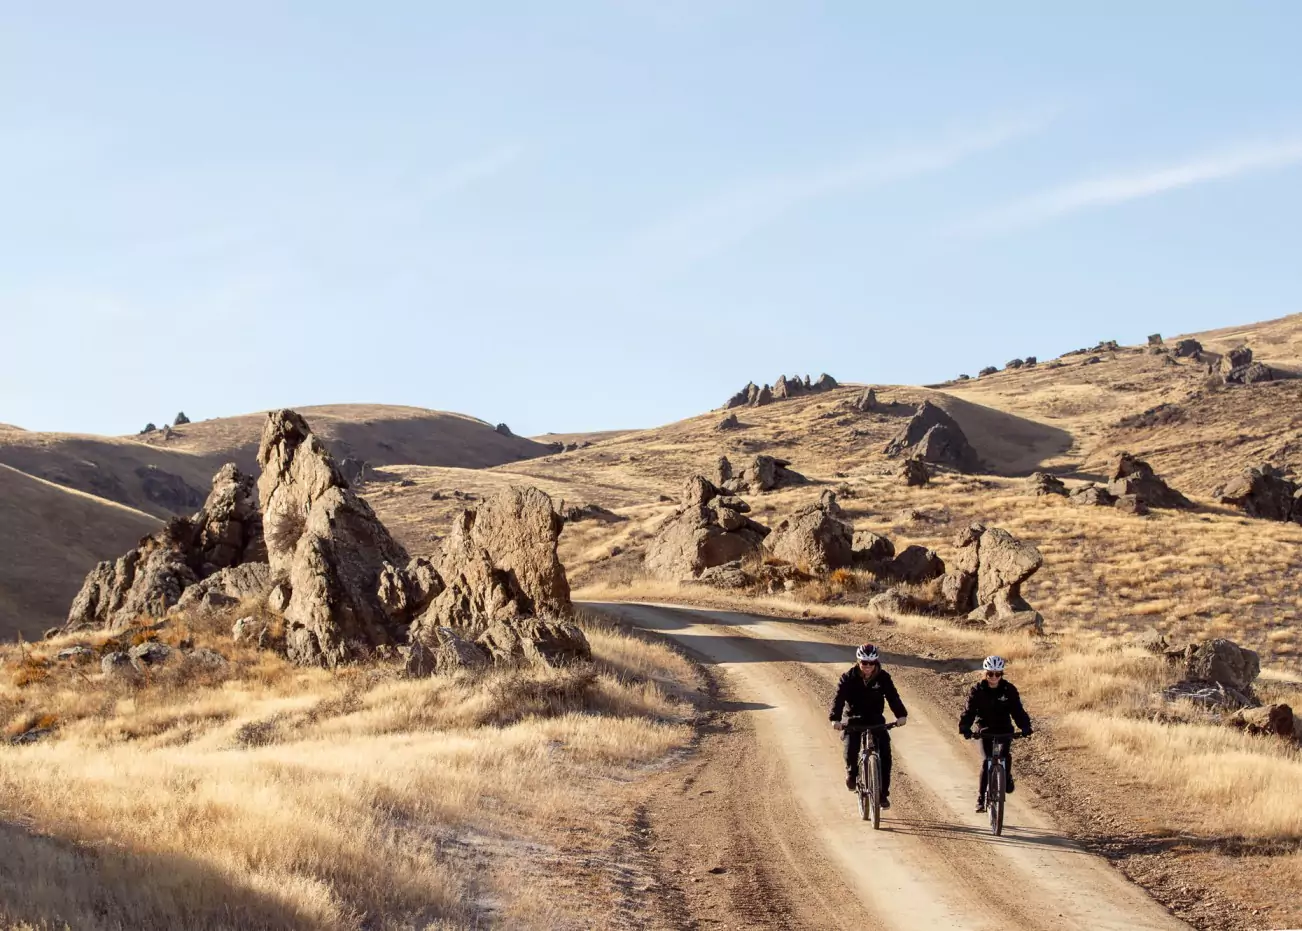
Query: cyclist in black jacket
(864, 692)
(996, 704)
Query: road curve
(934, 865)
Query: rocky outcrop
(1237, 357)
(728, 423)
(866, 402)
(326, 549)
(503, 430)
(1262, 491)
(1155, 339)
(499, 564)
(1092, 495)
(763, 473)
(1041, 484)
(1131, 476)
(795, 386)
(577, 514)
(817, 538)
(933, 436)
(710, 529)
(535, 641)
(150, 580)
(1189, 349)
(913, 473)
(1218, 673)
(226, 587)
(985, 582)
(988, 370)
(1249, 374)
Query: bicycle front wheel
(995, 799)
(875, 789)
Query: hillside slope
(51, 537)
(165, 476)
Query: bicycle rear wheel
(875, 788)
(995, 798)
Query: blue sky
(578, 215)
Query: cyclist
(865, 690)
(994, 702)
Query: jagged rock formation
(763, 473)
(1155, 339)
(988, 370)
(867, 401)
(795, 386)
(1262, 491)
(180, 419)
(1041, 484)
(728, 423)
(986, 580)
(933, 436)
(1092, 495)
(503, 429)
(1235, 358)
(817, 538)
(1131, 476)
(710, 529)
(1189, 349)
(149, 580)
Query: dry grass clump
(274, 796)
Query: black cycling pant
(988, 747)
(852, 739)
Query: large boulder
(867, 401)
(1189, 349)
(536, 642)
(1132, 476)
(913, 472)
(917, 564)
(933, 436)
(1249, 374)
(1223, 662)
(1261, 491)
(326, 548)
(1042, 484)
(817, 537)
(763, 473)
(1092, 495)
(872, 549)
(710, 529)
(986, 579)
(1237, 357)
(150, 580)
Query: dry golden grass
(269, 796)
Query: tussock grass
(272, 796)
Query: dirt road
(793, 846)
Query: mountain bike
(869, 786)
(997, 780)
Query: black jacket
(865, 701)
(995, 708)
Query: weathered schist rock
(326, 548)
(502, 587)
(795, 386)
(985, 582)
(933, 436)
(1218, 673)
(1264, 492)
(866, 402)
(1092, 495)
(1189, 349)
(817, 537)
(1132, 476)
(763, 473)
(917, 564)
(1249, 374)
(1235, 358)
(912, 472)
(710, 529)
(152, 578)
(728, 423)
(1041, 484)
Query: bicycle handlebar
(869, 727)
(1010, 735)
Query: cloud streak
(1112, 190)
(721, 221)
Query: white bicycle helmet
(867, 653)
(993, 664)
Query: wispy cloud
(467, 174)
(1111, 190)
(730, 216)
